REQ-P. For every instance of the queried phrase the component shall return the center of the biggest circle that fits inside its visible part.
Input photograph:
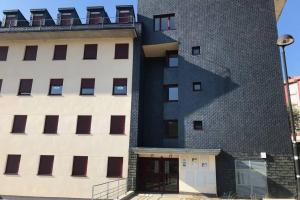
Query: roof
(279, 6)
(294, 79)
(145, 150)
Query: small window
(171, 128)
(11, 21)
(25, 87)
(83, 124)
(46, 165)
(120, 86)
(117, 125)
(198, 125)
(197, 86)
(1, 84)
(79, 166)
(121, 51)
(12, 164)
(60, 52)
(196, 51)
(51, 123)
(3, 53)
(66, 19)
(124, 16)
(19, 124)
(38, 20)
(90, 51)
(172, 59)
(56, 86)
(164, 22)
(87, 86)
(171, 93)
(95, 18)
(114, 167)
(30, 53)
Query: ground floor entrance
(158, 175)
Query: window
(79, 165)
(3, 53)
(38, 20)
(121, 51)
(171, 92)
(196, 51)
(51, 123)
(10, 21)
(120, 86)
(198, 125)
(117, 125)
(12, 164)
(114, 167)
(197, 86)
(66, 19)
(56, 86)
(1, 84)
(19, 124)
(95, 18)
(124, 16)
(60, 52)
(46, 165)
(25, 87)
(83, 124)
(164, 22)
(171, 128)
(87, 86)
(90, 51)
(172, 59)
(30, 53)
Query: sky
(289, 22)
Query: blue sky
(289, 22)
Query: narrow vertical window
(12, 164)
(46, 165)
(3, 53)
(25, 87)
(87, 86)
(172, 59)
(90, 51)
(171, 128)
(171, 93)
(79, 166)
(114, 167)
(83, 124)
(19, 124)
(51, 123)
(117, 125)
(119, 86)
(60, 52)
(56, 86)
(30, 53)
(121, 51)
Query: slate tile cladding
(241, 103)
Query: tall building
(187, 97)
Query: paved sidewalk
(170, 197)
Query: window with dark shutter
(171, 128)
(66, 19)
(3, 53)
(56, 86)
(60, 52)
(198, 125)
(120, 86)
(25, 87)
(51, 123)
(90, 51)
(114, 167)
(46, 165)
(12, 164)
(83, 124)
(79, 166)
(30, 53)
(121, 51)
(117, 125)
(1, 84)
(19, 124)
(124, 16)
(87, 86)
(95, 18)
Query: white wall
(97, 146)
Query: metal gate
(251, 178)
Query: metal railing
(112, 189)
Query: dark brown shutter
(95, 18)
(30, 52)
(117, 125)
(121, 51)
(3, 53)
(46, 165)
(87, 83)
(83, 124)
(56, 82)
(114, 167)
(51, 122)
(25, 87)
(1, 84)
(120, 81)
(19, 124)
(90, 51)
(60, 52)
(124, 16)
(12, 164)
(79, 165)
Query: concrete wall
(66, 144)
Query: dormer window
(38, 20)
(66, 19)
(95, 18)
(10, 21)
(124, 16)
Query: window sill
(114, 177)
(45, 175)
(49, 133)
(55, 95)
(59, 59)
(24, 95)
(11, 174)
(13, 133)
(118, 134)
(79, 176)
(29, 60)
(120, 94)
(87, 95)
(83, 134)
